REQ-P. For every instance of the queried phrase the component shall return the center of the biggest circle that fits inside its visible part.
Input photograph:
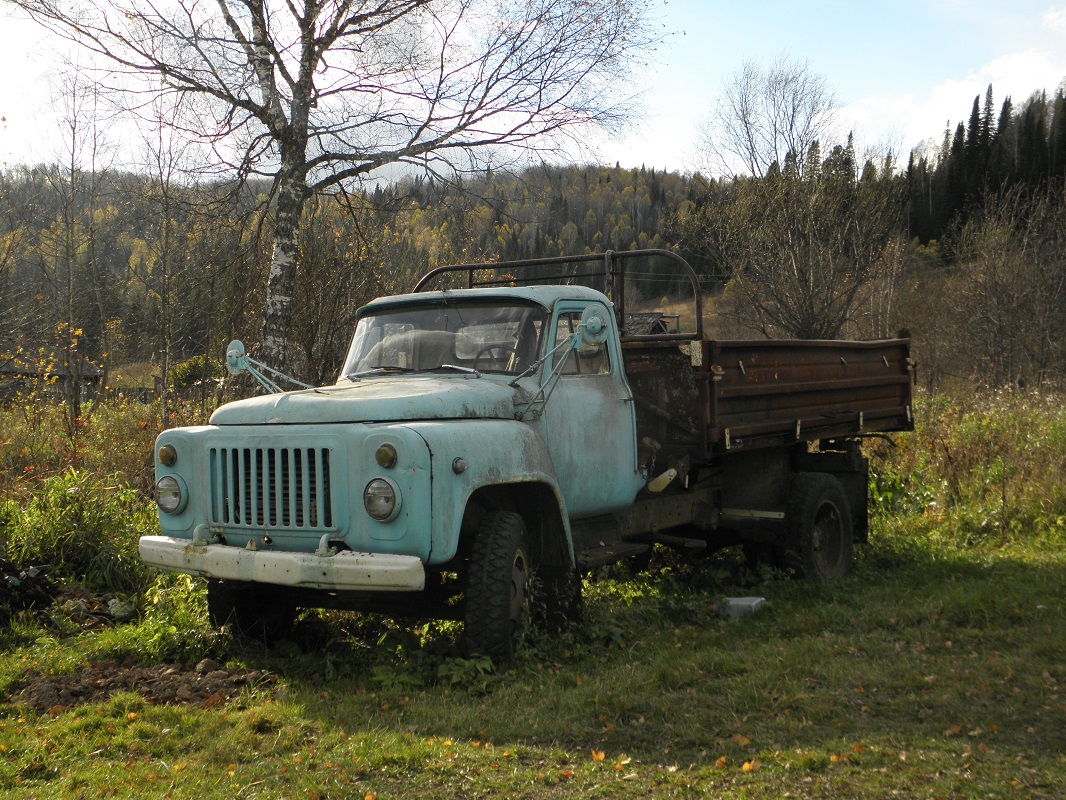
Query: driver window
(587, 359)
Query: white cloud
(913, 118)
(1054, 19)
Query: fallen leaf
(721, 762)
(750, 766)
(597, 755)
(566, 773)
(742, 741)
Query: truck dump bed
(710, 397)
(808, 390)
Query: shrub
(83, 528)
(194, 371)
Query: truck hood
(376, 399)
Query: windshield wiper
(457, 368)
(378, 371)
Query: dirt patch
(207, 685)
(27, 591)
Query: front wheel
(499, 587)
(820, 534)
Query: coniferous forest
(962, 244)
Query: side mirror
(235, 353)
(594, 328)
(238, 361)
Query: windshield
(487, 337)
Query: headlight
(380, 499)
(170, 494)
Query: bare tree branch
(314, 93)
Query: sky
(900, 70)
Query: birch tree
(317, 94)
(805, 240)
(764, 116)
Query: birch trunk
(275, 342)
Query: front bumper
(343, 571)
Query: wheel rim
(827, 540)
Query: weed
(981, 471)
(175, 626)
(394, 677)
(470, 673)
(605, 634)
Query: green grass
(936, 670)
(927, 673)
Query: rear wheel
(499, 588)
(250, 608)
(820, 534)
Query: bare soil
(207, 685)
(29, 592)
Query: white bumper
(343, 571)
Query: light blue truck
(485, 445)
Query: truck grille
(271, 487)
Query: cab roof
(544, 295)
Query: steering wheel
(506, 352)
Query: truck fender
(493, 464)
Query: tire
(250, 609)
(498, 589)
(820, 535)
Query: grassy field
(936, 669)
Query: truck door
(588, 422)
